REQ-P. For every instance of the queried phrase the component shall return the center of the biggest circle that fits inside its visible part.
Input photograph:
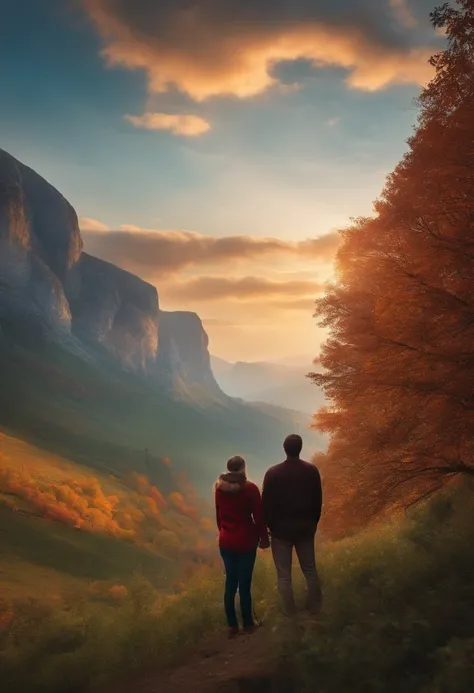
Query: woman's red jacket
(239, 514)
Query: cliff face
(39, 243)
(183, 356)
(71, 297)
(114, 309)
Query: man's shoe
(233, 632)
(249, 630)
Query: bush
(399, 608)
(46, 649)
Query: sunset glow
(198, 146)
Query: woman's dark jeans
(238, 576)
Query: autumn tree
(399, 362)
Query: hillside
(398, 616)
(106, 418)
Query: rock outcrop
(39, 243)
(183, 356)
(114, 309)
(71, 297)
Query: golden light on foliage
(118, 592)
(180, 504)
(400, 357)
(141, 514)
(206, 524)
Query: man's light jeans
(283, 556)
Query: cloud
(187, 125)
(332, 122)
(404, 12)
(156, 254)
(241, 289)
(218, 323)
(129, 227)
(322, 248)
(304, 305)
(208, 49)
(86, 224)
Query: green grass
(52, 558)
(398, 616)
(399, 609)
(80, 644)
(40, 556)
(31, 545)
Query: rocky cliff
(183, 357)
(114, 309)
(73, 298)
(39, 243)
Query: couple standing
(290, 507)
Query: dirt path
(217, 665)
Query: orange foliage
(143, 515)
(206, 524)
(81, 506)
(7, 616)
(158, 498)
(179, 503)
(399, 362)
(118, 592)
(141, 482)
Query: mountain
(274, 383)
(92, 366)
(79, 301)
(297, 360)
(220, 366)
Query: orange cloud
(161, 253)
(304, 305)
(206, 50)
(241, 288)
(87, 224)
(187, 125)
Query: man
(292, 500)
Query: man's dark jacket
(292, 500)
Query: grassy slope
(106, 418)
(44, 558)
(41, 557)
(399, 612)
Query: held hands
(264, 543)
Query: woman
(241, 530)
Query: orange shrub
(179, 504)
(143, 515)
(118, 593)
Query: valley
(112, 425)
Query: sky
(215, 147)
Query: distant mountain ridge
(274, 383)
